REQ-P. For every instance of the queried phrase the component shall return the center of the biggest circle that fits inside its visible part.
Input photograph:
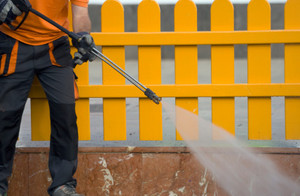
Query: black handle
(23, 6)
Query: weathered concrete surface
(134, 171)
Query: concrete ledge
(87, 150)
(133, 171)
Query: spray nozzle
(151, 95)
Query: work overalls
(52, 64)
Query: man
(38, 48)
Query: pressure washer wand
(148, 92)
(26, 7)
(118, 69)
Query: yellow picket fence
(186, 89)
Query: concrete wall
(138, 171)
(167, 24)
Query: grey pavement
(96, 115)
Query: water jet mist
(234, 166)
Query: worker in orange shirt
(39, 49)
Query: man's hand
(84, 46)
(8, 11)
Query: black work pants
(52, 64)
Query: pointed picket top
(112, 14)
(222, 15)
(112, 3)
(148, 16)
(292, 14)
(185, 16)
(148, 2)
(259, 15)
(151, 3)
(291, 2)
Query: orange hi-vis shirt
(35, 30)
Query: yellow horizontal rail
(178, 90)
(197, 38)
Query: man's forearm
(81, 19)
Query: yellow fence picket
(149, 59)
(186, 57)
(292, 71)
(82, 104)
(114, 110)
(186, 90)
(259, 71)
(222, 66)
